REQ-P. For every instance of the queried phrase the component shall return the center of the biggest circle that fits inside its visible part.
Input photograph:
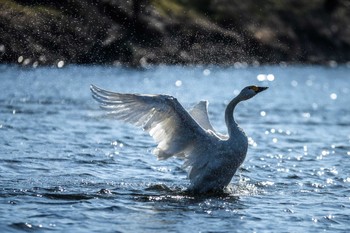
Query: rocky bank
(144, 32)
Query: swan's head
(250, 91)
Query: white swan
(212, 158)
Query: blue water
(66, 167)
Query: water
(66, 167)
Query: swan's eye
(254, 88)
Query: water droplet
(309, 83)
(20, 59)
(206, 72)
(60, 64)
(274, 140)
(26, 61)
(2, 48)
(262, 113)
(333, 96)
(143, 63)
(294, 83)
(240, 65)
(42, 58)
(178, 83)
(35, 64)
(255, 64)
(332, 64)
(117, 63)
(283, 64)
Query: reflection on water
(65, 166)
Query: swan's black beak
(260, 89)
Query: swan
(210, 158)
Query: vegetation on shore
(142, 32)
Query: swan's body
(212, 158)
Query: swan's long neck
(231, 124)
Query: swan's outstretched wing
(175, 131)
(200, 113)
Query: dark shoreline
(150, 32)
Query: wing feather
(199, 112)
(170, 125)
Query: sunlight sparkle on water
(267, 183)
(333, 96)
(346, 180)
(252, 142)
(264, 77)
(270, 77)
(306, 115)
(178, 83)
(297, 162)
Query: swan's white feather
(170, 125)
(199, 112)
(212, 158)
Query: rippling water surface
(65, 166)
